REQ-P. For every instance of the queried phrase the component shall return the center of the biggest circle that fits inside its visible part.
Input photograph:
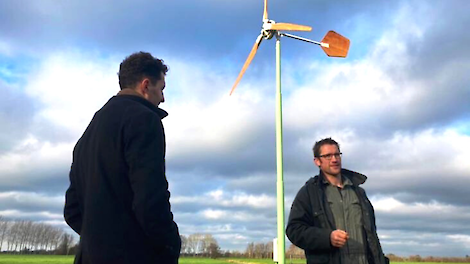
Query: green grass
(49, 259)
(35, 259)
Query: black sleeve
(370, 209)
(303, 228)
(144, 153)
(386, 260)
(72, 213)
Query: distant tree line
(28, 237)
(259, 250)
(203, 245)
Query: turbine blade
(265, 13)
(247, 62)
(289, 27)
(335, 45)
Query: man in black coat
(118, 199)
(331, 217)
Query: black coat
(311, 222)
(118, 199)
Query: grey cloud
(15, 116)
(185, 25)
(429, 222)
(443, 43)
(46, 131)
(255, 153)
(168, 25)
(423, 243)
(19, 118)
(437, 68)
(443, 186)
(255, 183)
(48, 179)
(30, 202)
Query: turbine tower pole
(281, 244)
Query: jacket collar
(355, 177)
(135, 96)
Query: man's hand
(338, 238)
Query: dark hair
(138, 66)
(319, 144)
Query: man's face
(331, 167)
(155, 91)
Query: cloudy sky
(398, 105)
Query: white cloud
(432, 209)
(5, 48)
(214, 214)
(31, 157)
(31, 199)
(72, 86)
(227, 200)
(16, 214)
(410, 157)
(461, 239)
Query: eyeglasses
(329, 156)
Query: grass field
(39, 259)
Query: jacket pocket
(319, 218)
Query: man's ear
(317, 162)
(143, 86)
(146, 83)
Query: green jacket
(311, 222)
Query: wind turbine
(334, 45)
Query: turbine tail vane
(335, 45)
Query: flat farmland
(49, 259)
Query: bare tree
(42, 236)
(14, 235)
(27, 236)
(184, 244)
(4, 224)
(295, 252)
(259, 250)
(206, 241)
(250, 250)
(195, 244)
(38, 231)
(214, 250)
(269, 250)
(65, 244)
(199, 244)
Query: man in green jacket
(331, 217)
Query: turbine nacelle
(266, 30)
